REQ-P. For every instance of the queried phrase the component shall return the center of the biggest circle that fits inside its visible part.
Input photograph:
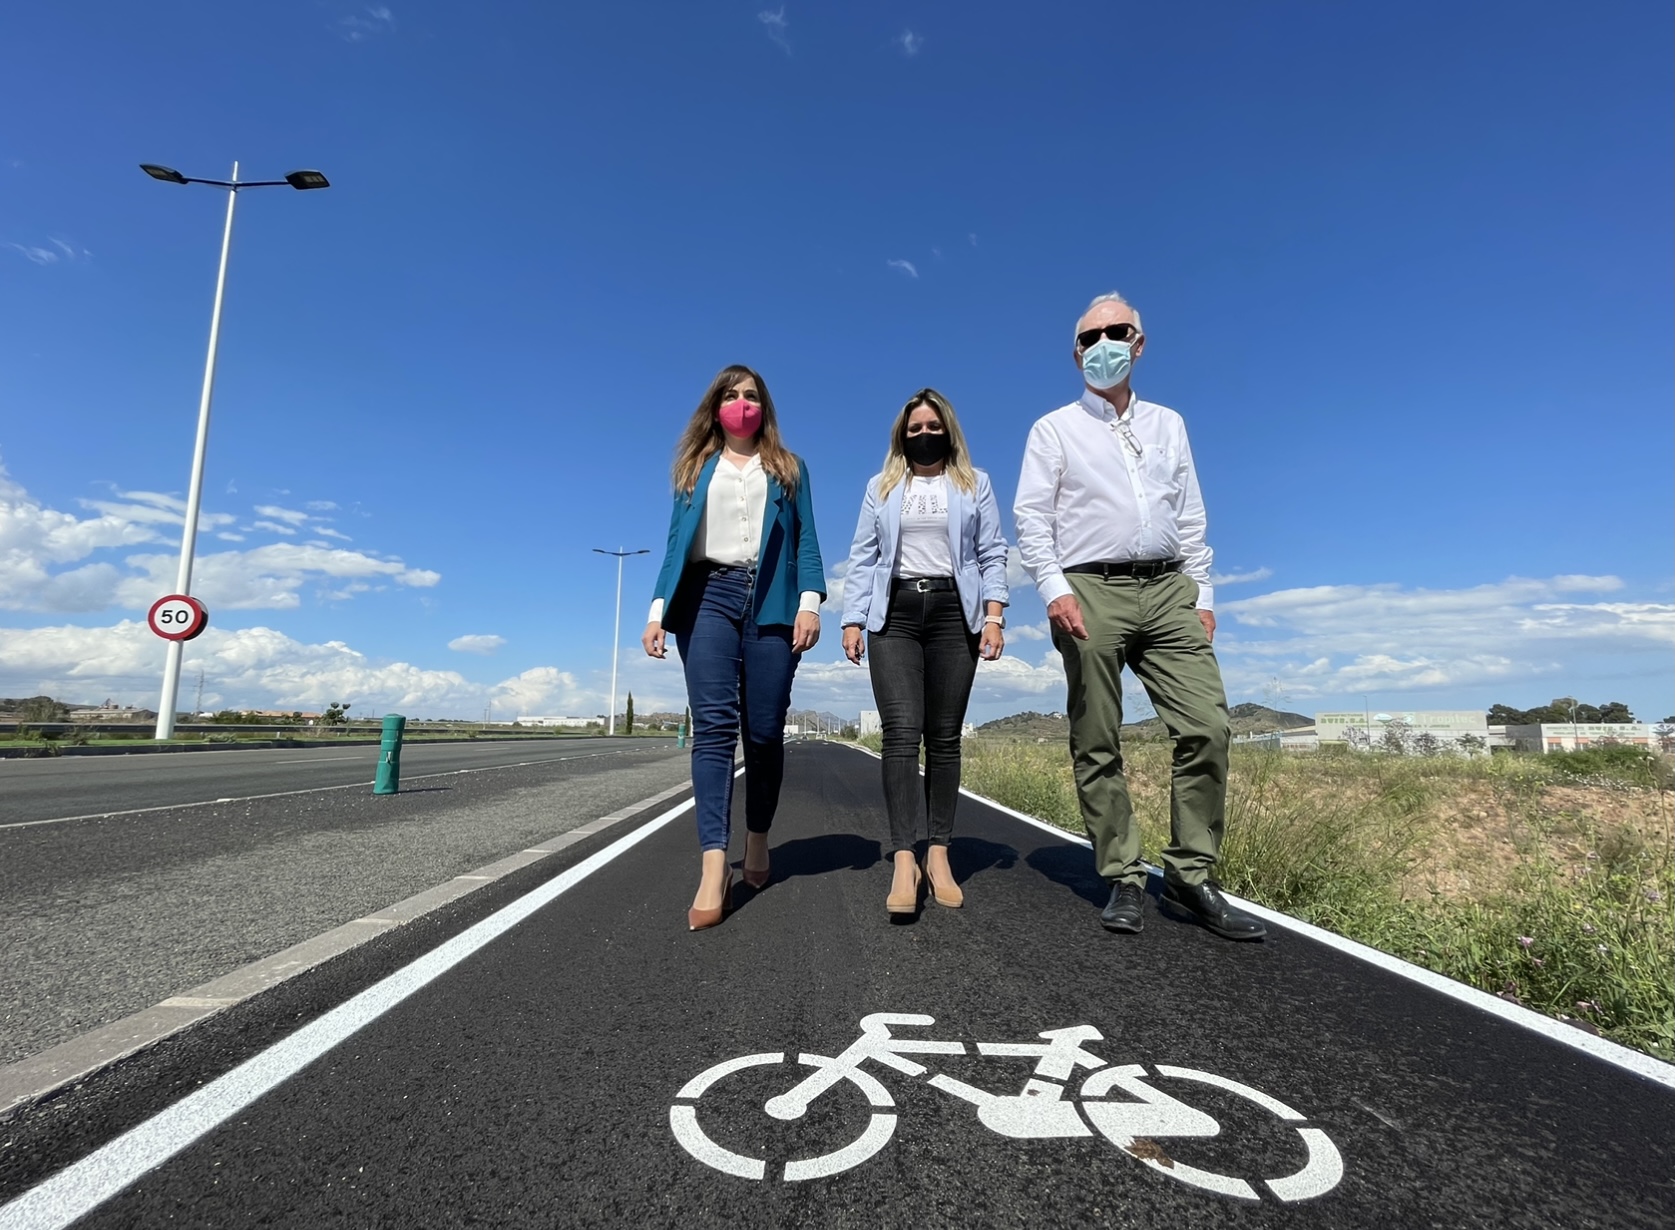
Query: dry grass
(1501, 872)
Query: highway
(104, 916)
(561, 1051)
(51, 788)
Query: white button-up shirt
(730, 529)
(1085, 497)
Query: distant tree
(628, 719)
(1615, 712)
(1506, 715)
(1471, 744)
(687, 720)
(1395, 737)
(1358, 738)
(1665, 731)
(42, 709)
(1426, 744)
(336, 714)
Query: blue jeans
(736, 673)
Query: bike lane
(552, 1077)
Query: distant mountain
(1247, 719)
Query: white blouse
(730, 527)
(924, 550)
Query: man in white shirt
(1111, 529)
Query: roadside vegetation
(1546, 880)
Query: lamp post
(616, 635)
(303, 181)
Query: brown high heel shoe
(953, 897)
(909, 903)
(698, 920)
(758, 879)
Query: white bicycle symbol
(1039, 1112)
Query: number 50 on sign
(178, 617)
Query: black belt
(1142, 568)
(923, 585)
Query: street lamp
(302, 181)
(616, 637)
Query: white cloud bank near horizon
(55, 562)
(1504, 640)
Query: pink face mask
(740, 417)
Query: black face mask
(927, 448)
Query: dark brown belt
(1144, 569)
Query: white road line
(82, 1187)
(280, 794)
(1527, 1018)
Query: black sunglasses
(1123, 332)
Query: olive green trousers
(1150, 626)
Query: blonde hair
(958, 466)
(703, 436)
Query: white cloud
(909, 42)
(476, 643)
(906, 267)
(358, 27)
(320, 506)
(1344, 639)
(39, 256)
(290, 516)
(1221, 580)
(272, 527)
(57, 561)
(777, 26)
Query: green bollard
(680, 739)
(389, 756)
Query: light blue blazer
(974, 538)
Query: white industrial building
(1574, 736)
(870, 723)
(1438, 729)
(570, 723)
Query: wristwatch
(996, 619)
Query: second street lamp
(616, 635)
(301, 180)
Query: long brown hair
(958, 466)
(703, 436)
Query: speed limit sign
(178, 617)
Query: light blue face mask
(1106, 364)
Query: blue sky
(1405, 270)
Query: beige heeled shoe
(906, 903)
(953, 897)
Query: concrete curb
(29, 1080)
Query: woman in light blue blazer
(740, 588)
(927, 583)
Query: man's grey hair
(1110, 297)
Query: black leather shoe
(1122, 911)
(1205, 904)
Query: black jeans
(923, 663)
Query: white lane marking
(281, 794)
(1526, 1018)
(78, 1190)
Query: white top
(1085, 497)
(924, 549)
(730, 528)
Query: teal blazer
(787, 563)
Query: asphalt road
(102, 917)
(566, 1072)
(55, 787)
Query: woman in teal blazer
(740, 588)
